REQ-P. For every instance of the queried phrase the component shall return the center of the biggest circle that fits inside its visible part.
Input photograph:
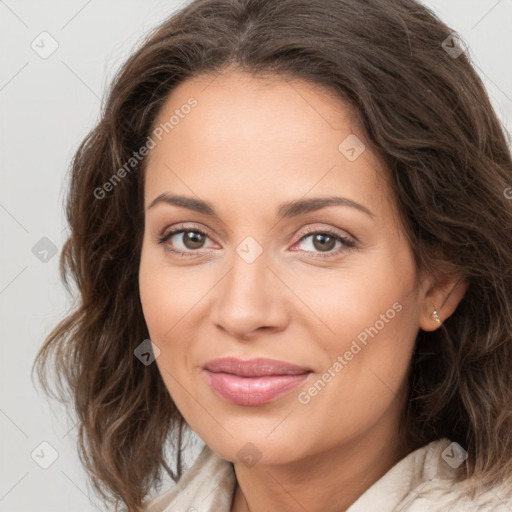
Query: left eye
(325, 241)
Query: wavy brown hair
(424, 111)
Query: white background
(48, 106)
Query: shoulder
(427, 480)
(424, 481)
(207, 485)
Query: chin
(256, 449)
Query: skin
(249, 145)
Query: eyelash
(348, 244)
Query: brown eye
(323, 242)
(193, 239)
(184, 241)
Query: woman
(291, 234)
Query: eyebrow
(285, 210)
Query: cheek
(165, 312)
(153, 299)
(374, 291)
(167, 293)
(170, 297)
(373, 313)
(162, 307)
(365, 371)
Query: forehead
(239, 103)
(260, 137)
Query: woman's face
(331, 288)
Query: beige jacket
(421, 482)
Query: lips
(255, 381)
(254, 367)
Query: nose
(250, 299)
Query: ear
(443, 294)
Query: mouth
(255, 381)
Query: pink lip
(253, 382)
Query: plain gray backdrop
(57, 59)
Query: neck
(328, 481)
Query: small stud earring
(435, 314)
